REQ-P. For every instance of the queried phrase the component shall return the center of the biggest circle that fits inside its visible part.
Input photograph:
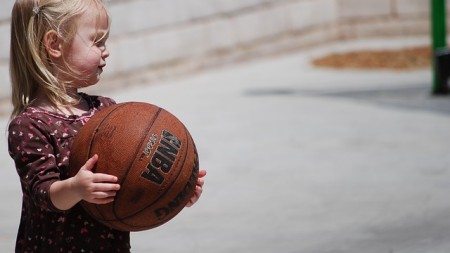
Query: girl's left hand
(198, 188)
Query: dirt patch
(400, 59)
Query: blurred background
(317, 121)
(153, 39)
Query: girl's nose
(105, 53)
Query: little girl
(57, 47)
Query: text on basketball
(163, 158)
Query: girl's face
(87, 52)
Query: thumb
(90, 163)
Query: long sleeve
(35, 161)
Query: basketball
(153, 156)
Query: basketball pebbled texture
(152, 154)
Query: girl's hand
(97, 188)
(198, 188)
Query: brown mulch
(400, 59)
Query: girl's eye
(100, 40)
(100, 43)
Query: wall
(153, 39)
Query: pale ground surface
(300, 160)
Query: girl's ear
(52, 44)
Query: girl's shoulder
(29, 118)
(29, 115)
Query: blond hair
(30, 66)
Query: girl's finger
(201, 173)
(102, 200)
(195, 197)
(103, 195)
(200, 182)
(104, 187)
(100, 177)
(90, 162)
(198, 191)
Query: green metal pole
(439, 39)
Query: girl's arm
(96, 188)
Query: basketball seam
(131, 165)
(167, 189)
(90, 147)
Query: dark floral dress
(39, 142)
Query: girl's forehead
(94, 17)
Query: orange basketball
(152, 154)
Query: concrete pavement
(300, 159)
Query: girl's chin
(87, 83)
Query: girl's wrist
(63, 194)
(73, 188)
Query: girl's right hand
(97, 188)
